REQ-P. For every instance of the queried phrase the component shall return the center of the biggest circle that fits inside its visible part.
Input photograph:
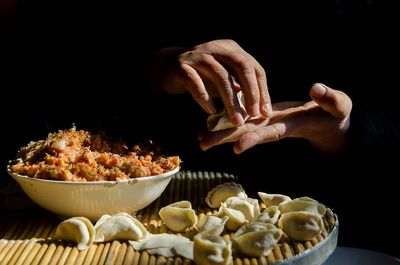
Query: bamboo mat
(25, 230)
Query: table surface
(357, 256)
(26, 229)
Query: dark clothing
(87, 66)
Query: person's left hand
(324, 122)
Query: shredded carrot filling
(72, 155)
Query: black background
(86, 64)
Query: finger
(333, 101)
(250, 73)
(197, 89)
(245, 142)
(242, 66)
(265, 100)
(270, 133)
(210, 139)
(217, 74)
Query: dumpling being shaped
(256, 239)
(212, 250)
(240, 211)
(178, 216)
(301, 226)
(77, 229)
(300, 204)
(119, 226)
(222, 192)
(220, 120)
(270, 215)
(212, 225)
(273, 199)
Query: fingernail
(202, 147)
(318, 91)
(267, 110)
(236, 150)
(238, 119)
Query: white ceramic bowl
(95, 198)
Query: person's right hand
(218, 68)
(323, 121)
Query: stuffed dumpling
(212, 250)
(301, 225)
(273, 199)
(256, 239)
(212, 225)
(240, 211)
(270, 215)
(301, 204)
(167, 245)
(119, 226)
(222, 192)
(77, 229)
(178, 216)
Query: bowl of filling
(76, 173)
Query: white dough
(222, 192)
(178, 216)
(77, 229)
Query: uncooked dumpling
(212, 225)
(301, 204)
(273, 199)
(178, 216)
(301, 225)
(240, 211)
(212, 250)
(77, 229)
(167, 245)
(256, 239)
(270, 215)
(220, 120)
(222, 192)
(119, 226)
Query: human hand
(324, 122)
(211, 70)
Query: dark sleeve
(373, 130)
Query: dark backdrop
(86, 64)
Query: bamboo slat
(25, 236)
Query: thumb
(336, 102)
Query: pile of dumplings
(252, 232)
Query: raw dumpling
(302, 204)
(77, 229)
(178, 216)
(212, 250)
(240, 211)
(220, 120)
(222, 192)
(273, 199)
(270, 215)
(119, 226)
(167, 245)
(256, 239)
(212, 225)
(301, 225)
